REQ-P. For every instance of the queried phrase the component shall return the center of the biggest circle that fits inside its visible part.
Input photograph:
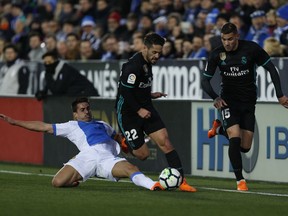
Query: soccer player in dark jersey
(136, 114)
(237, 61)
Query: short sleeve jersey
(85, 134)
(134, 90)
(238, 70)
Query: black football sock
(174, 161)
(223, 132)
(235, 157)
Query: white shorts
(97, 160)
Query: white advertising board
(268, 158)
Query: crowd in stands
(113, 29)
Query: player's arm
(207, 87)
(155, 95)
(283, 100)
(29, 125)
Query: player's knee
(142, 155)
(244, 150)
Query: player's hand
(283, 101)
(144, 113)
(219, 102)
(155, 95)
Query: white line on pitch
(204, 188)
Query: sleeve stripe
(266, 62)
(207, 75)
(126, 85)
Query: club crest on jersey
(131, 79)
(243, 60)
(222, 56)
(145, 68)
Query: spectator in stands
(221, 19)
(86, 8)
(146, 24)
(275, 4)
(102, 13)
(199, 24)
(67, 13)
(209, 8)
(173, 20)
(273, 47)
(54, 28)
(2, 45)
(271, 21)
(50, 43)
(46, 9)
(87, 52)
(72, 41)
(178, 43)
(135, 46)
(207, 44)
(160, 26)
(14, 74)
(110, 48)
(187, 48)
(281, 33)
(261, 5)
(258, 31)
(114, 25)
(61, 49)
(35, 26)
(45, 28)
(87, 28)
(67, 28)
(20, 38)
(168, 51)
(131, 27)
(60, 78)
(191, 11)
(5, 28)
(237, 20)
(179, 6)
(198, 48)
(36, 49)
(165, 7)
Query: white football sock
(139, 179)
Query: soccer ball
(170, 178)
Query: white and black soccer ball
(170, 178)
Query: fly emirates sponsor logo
(235, 72)
(146, 85)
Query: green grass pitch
(26, 190)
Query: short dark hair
(11, 46)
(73, 34)
(228, 28)
(152, 38)
(53, 54)
(77, 101)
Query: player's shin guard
(174, 161)
(235, 157)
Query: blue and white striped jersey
(85, 134)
